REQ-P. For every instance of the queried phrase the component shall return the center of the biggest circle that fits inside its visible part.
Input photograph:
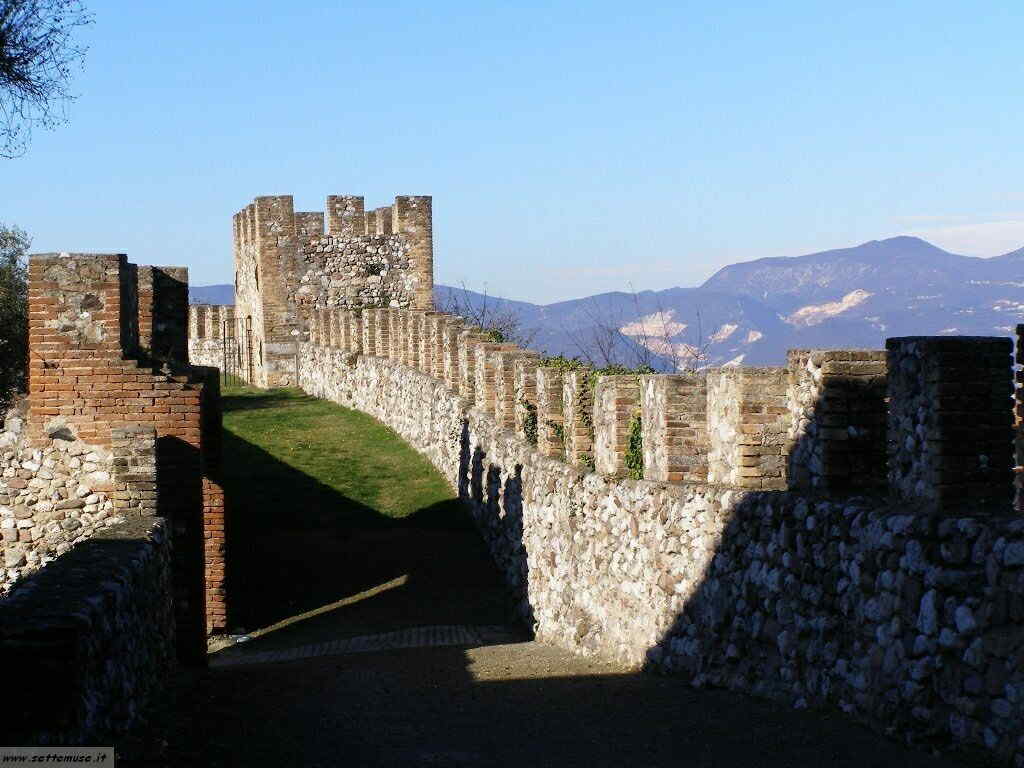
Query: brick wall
(85, 379)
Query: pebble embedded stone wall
(53, 495)
(357, 271)
(88, 641)
(913, 623)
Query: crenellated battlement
(838, 530)
(108, 361)
(290, 264)
(928, 419)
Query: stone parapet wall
(88, 641)
(908, 619)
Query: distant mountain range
(751, 313)
(211, 294)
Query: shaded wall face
(163, 313)
(88, 642)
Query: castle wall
(88, 640)
(90, 378)
(287, 267)
(907, 616)
(208, 327)
(357, 271)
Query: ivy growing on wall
(585, 408)
(635, 448)
(529, 421)
(557, 429)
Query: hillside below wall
(912, 622)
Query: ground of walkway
(378, 635)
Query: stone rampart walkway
(386, 643)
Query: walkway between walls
(383, 641)
(510, 704)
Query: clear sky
(571, 147)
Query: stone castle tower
(288, 264)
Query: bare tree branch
(503, 324)
(647, 340)
(37, 55)
(14, 245)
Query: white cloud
(959, 234)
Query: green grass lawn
(284, 447)
(326, 503)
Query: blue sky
(570, 147)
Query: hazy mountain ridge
(752, 312)
(223, 293)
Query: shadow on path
(315, 566)
(308, 564)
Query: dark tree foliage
(13, 313)
(37, 55)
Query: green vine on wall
(529, 421)
(557, 429)
(585, 408)
(634, 457)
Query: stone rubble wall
(52, 496)
(88, 642)
(357, 271)
(910, 622)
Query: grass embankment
(274, 434)
(338, 527)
